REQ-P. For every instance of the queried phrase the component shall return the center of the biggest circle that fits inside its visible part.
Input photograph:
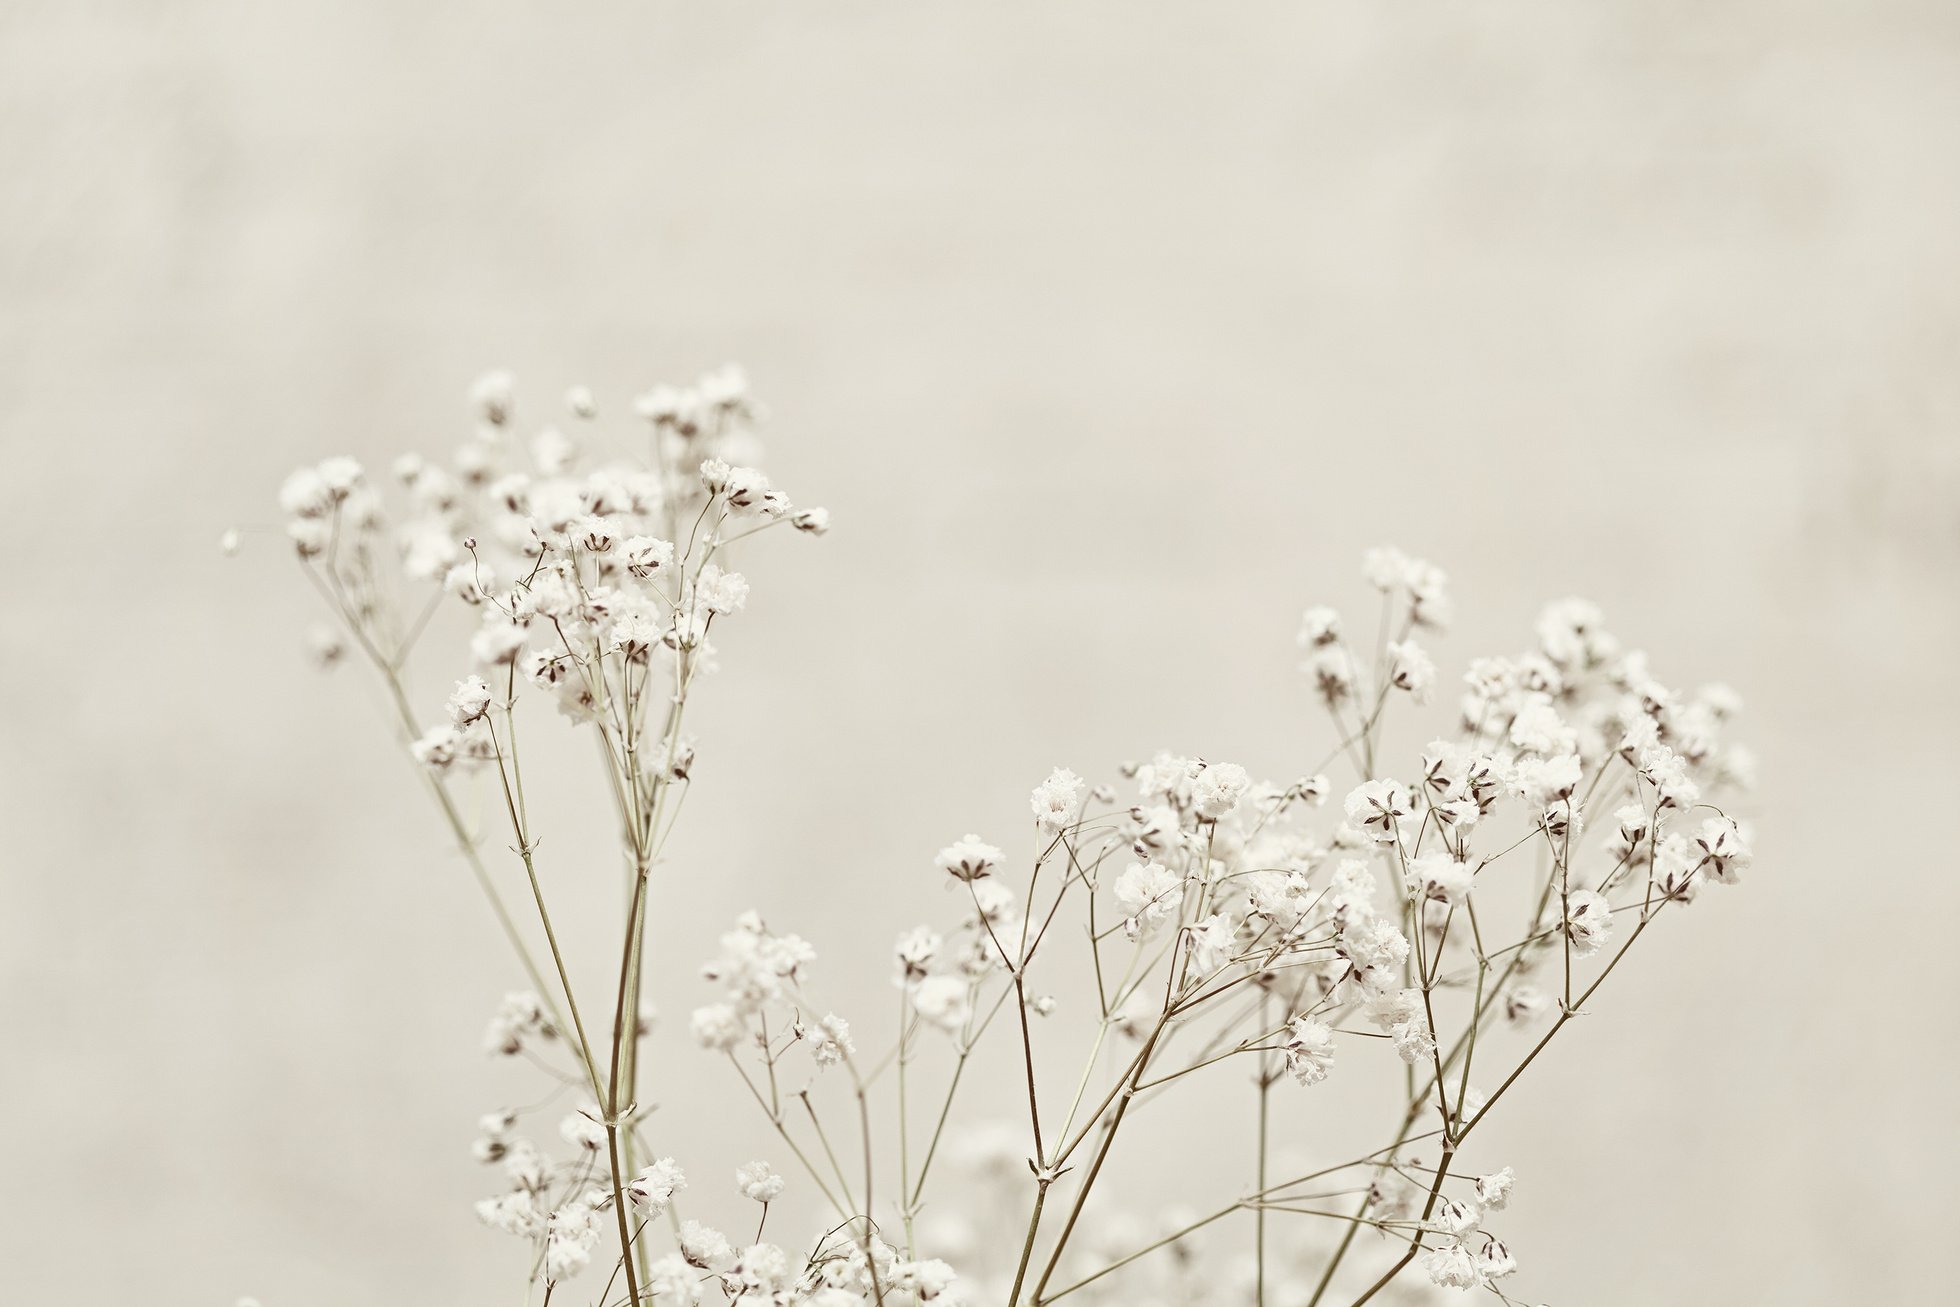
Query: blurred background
(1111, 334)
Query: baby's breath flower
(1056, 800)
(1451, 1266)
(1495, 1261)
(1413, 1041)
(943, 1001)
(829, 1040)
(1217, 789)
(968, 858)
(1411, 670)
(653, 1190)
(1149, 894)
(519, 1021)
(1724, 850)
(494, 394)
(995, 902)
(705, 1247)
(470, 701)
(1588, 921)
(1667, 771)
(758, 1182)
(646, 556)
(1370, 942)
(673, 1283)
(1309, 1050)
(327, 647)
(584, 1128)
(1525, 1004)
(716, 591)
(1441, 876)
(915, 950)
(926, 1280)
(1494, 1190)
(572, 1234)
(1454, 1217)
(1332, 670)
(1380, 807)
(717, 1026)
(1319, 626)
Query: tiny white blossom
(1149, 894)
(1495, 1261)
(1379, 807)
(653, 1189)
(1056, 800)
(470, 701)
(1309, 1050)
(1588, 921)
(968, 858)
(829, 1040)
(1217, 789)
(1411, 670)
(717, 1027)
(704, 1246)
(943, 1001)
(1451, 1266)
(1494, 1190)
(758, 1182)
(584, 1129)
(645, 556)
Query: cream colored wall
(1111, 333)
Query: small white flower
(1724, 850)
(1309, 1050)
(1413, 1042)
(1056, 800)
(924, 1280)
(914, 951)
(1149, 894)
(968, 859)
(653, 1190)
(1588, 921)
(305, 494)
(1495, 1261)
(942, 1001)
(573, 1232)
(705, 1247)
(716, 591)
(1441, 877)
(829, 1040)
(494, 394)
(1411, 670)
(470, 701)
(717, 1027)
(1525, 1004)
(1494, 1191)
(758, 1182)
(1379, 808)
(1318, 626)
(646, 557)
(1217, 789)
(584, 1129)
(1456, 1217)
(1667, 772)
(1451, 1266)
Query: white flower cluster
(1443, 918)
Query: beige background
(1111, 333)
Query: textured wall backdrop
(1111, 333)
